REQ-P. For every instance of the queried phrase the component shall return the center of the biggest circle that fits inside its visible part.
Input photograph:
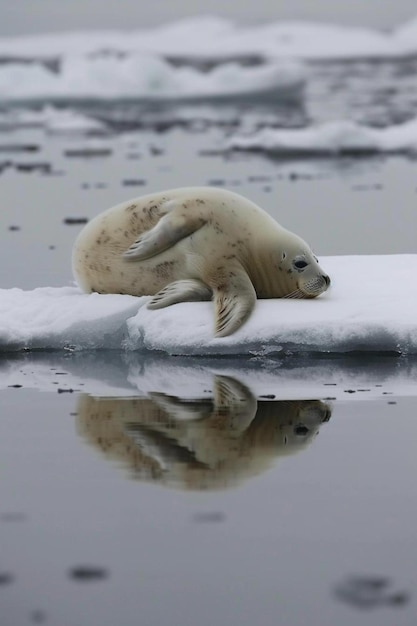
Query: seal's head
(305, 277)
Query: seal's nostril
(327, 279)
(301, 430)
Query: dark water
(198, 492)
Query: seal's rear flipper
(180, 291)
(170, 229)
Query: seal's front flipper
(234, 302)
(234, 402)
(170, 229)
(180, 291)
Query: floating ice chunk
(370, 306)
(54, 120)
(335, 137)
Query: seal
(196, 243)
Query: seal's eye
(300, 264)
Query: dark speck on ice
(13, 517)
(212, 517)
(134, 182)
(85, 573)
(155, 151)
(19, 148)
(38, 616)
(70, 221)
(88, 152)
(6, 578)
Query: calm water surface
(232, 509)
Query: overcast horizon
(20, 18)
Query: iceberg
(371, 306)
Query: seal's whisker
(294, 294)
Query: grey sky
(37, 16)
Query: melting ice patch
(342, 137)
(371, 306)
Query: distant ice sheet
(147, 78)
(161, 63)
(217, 37)
(371, 306)
(331, 138)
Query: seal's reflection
(207, 444)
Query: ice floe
(371, 307)
(52, 119)
(339, 137)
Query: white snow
(371, 306)
(331, 138)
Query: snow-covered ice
(370, 306)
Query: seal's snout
(326, 279)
